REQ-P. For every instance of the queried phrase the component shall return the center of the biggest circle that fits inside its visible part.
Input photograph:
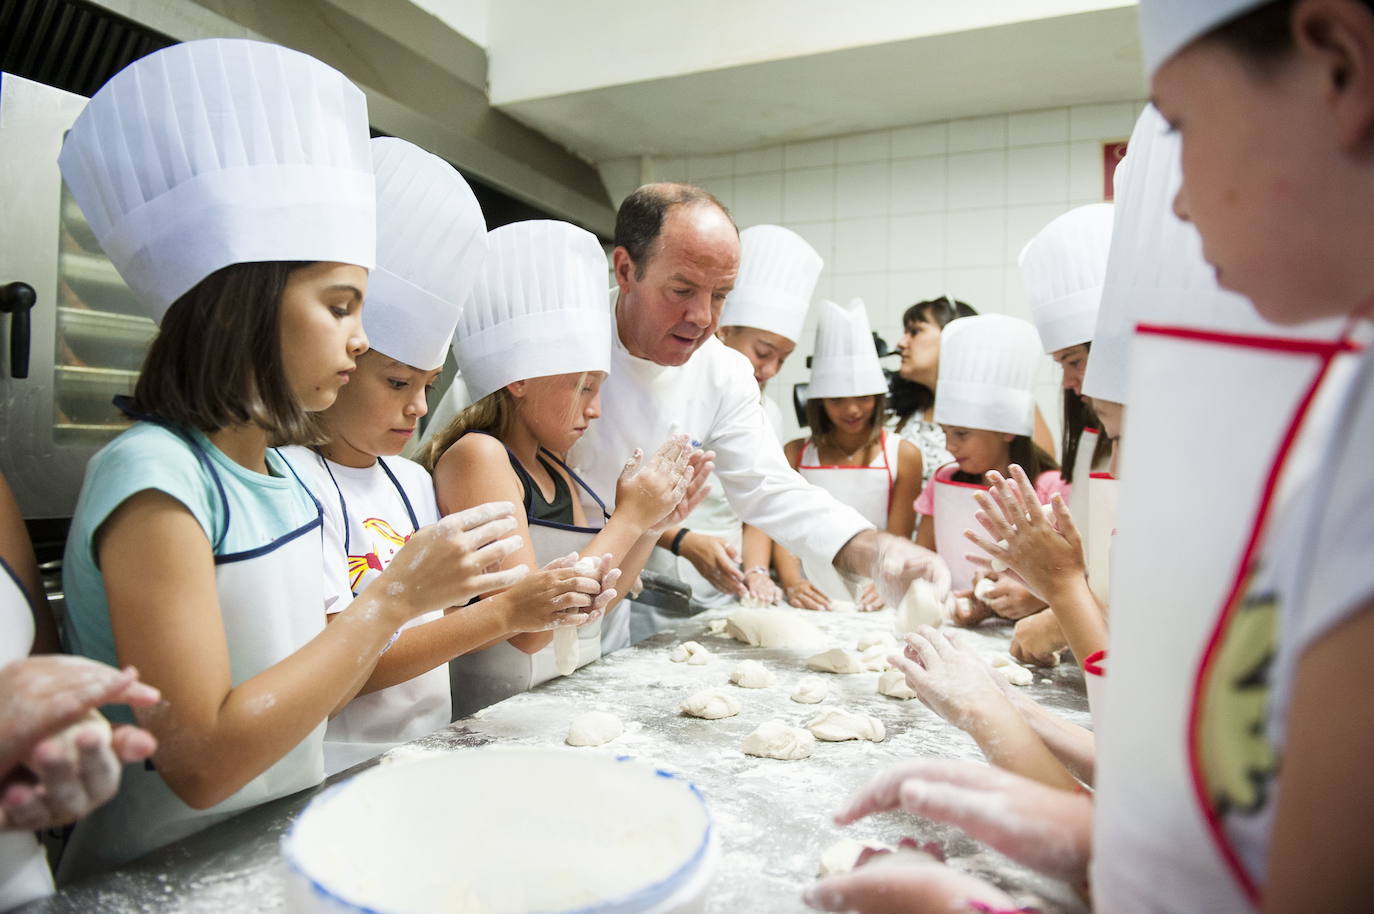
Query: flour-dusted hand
(869, 600)
(1038, 640)
(715, 560)
(907, 887)
(761, 587)
(450, 562)
(1047, 829)
(699, 467)
(805, 595)
(897, 562)
(650, 489)
(561, 593)
(949, 678)
(1009, 597)
(1041, 545)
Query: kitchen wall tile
(1025, 222)
(808, 194)
(977, 179)
(702, 168)
(918, 185)
(870, 287)
(976, 238)
(875, 146)
(916, 242)
(920, 140)
(1111, 121)
(862, 190)
(669, 168)
(752, 161)
(821, 236)
(1038, 174)
(861, 245)
(1086, 170)
(758, 198)
(809, 154)
(1032, 128)
(981, 287)
(974, 133)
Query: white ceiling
(1074, 59)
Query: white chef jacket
(713, 399)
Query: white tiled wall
(916, 212)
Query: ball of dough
(753, 675)
(843, 606)
(715, 627)
(893, 684)
(872, 639)
(922, 605)
(997, 564)
(811, 690)
(835, 660)
(749, 601)
(775, 739)
(980, 590)
(1011, 671)
(588, 565)
(710, 704)
(691, 653)
(874, 660)
(776, 628)
(594, 728)
(836, 725)
(841, 856)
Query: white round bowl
(503, 830)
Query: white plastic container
(503, 830)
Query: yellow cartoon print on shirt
(384, 543)
(1238, 761)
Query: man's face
(666, 313)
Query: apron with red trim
(866, 489)
(954, 510)
(1220, 429)
(1092, 502)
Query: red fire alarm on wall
(1112, 154)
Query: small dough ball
(901, 857)
(874, 660)
(589, 565)
(873, 639)
(893, 684)
(774, 628)
(594, 728)
(835, 660)
(811, 690)
(841, 856)
(980, 590)
(997, 564)
(922, 605)
(835, 725)
(715, 627)
(753, 675)
(691, 653)
(775, 739)
(711, 704)
(843, 606)
(1011, 671)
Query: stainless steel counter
(773, 817)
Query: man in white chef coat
(675, 259)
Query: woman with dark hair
(911, 391)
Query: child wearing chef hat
(231, 184)
(533, 344)
(431, 243)
(718, 555)
(1245, 787)
(985, 404)
(849, 453)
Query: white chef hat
(223, 151)
(777, 277)
(431, 241)
(987, 374)
(1167, 26)
(1062, 268)
(1155, 269)
(538, 309)
(845, 361)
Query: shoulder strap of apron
(125, 404)
(605, 515)
(400, 490)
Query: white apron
(1092, 502)
(954, 510)
(867, 490)
(371, 724)
(24, 874)
(1207, 457)
(482, 678)
(270, 610)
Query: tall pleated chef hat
(777, 277)
(1062, 268)
(987, 374)
(1167, 26)
(845, 361)
(431, 242)
(539, 308)
(1156, 273)
(223, 151)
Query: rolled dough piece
(836, 660)
(691, 653)
(565, 650)
(873, 639)
(835, 725)
(1011, 671)
(774, 628)
(715, 627)
(902, 856)
(749, 601)
(893, 684)
(775, 739)
(874, 660)
(841, 856)
(921, 606)
(843, 606)
(710, 704)
(753, 675)
(997, 564)
(811, 690)
(980, 590)
(594, 728)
